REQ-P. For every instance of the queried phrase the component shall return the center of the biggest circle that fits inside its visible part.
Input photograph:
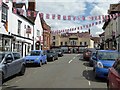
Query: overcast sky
(74, 8)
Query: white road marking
(74, 58)
(89, 83)
(70, 61)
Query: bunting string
(64, 17)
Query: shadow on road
(6, 87)
(10, 78)
(31, 66)
(89, 75)
(87, 64)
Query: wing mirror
(8, 60)
(94, 58)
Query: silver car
(11, 63)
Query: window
(53, 43)
(74, 42)
(19, 27)
(53, 37)
(16, 56)
(4, 12)
(61, 43)
(85, 43)
(80, 43)
(38, 32)
(65, 43)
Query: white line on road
(70, 61)
(74, 58)
(89, 83)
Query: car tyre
(40, 64)
(2, 78)
(96, 77)
(22, 71)
(46, 62)
(108, 85)
(53, 58)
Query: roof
(18, 5)
(102, 34)
(81, 35)
(107, 51)
(96, 39)
(36, 50)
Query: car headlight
(99, 64)
(50, 55)
(37, 58)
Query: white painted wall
(37, 26)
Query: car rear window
(35, 53)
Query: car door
(116, 75)
(9, 66)
(17, 62)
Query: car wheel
(2, 78)
(46, 62)
(22, 71)
(108, 85)
(96, 77)
(40, 64)
(53, 59)
(94, 69)
(57, 58)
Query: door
(115, 75)
(9, 65)
(17, 62)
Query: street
(69, 71)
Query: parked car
(88, 52)
(59, 52)
(103, 60)
(114, 76)
(51, 55)
(92, 61)
(36, 57)
(11, 63)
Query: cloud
(75, 8)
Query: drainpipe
(33, 39)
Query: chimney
(31, 5)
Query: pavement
(69, 71)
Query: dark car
(59, 52)
(113, 81)
(51, 55)
(88, 52)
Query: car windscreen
(35, 53)
(49, 51)
(107, 55)
(1, 56)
